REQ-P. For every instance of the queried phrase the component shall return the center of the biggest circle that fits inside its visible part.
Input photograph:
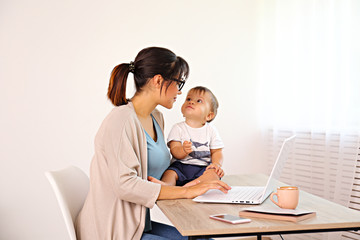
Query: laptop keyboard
(238, 194)
(245, 193)
(241, 194)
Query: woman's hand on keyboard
(203, 187)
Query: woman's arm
(172, 192)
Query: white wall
(55, 62)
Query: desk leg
(195, 238)
(199, 237)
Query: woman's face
(169, 94)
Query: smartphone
(230, 218)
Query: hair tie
(132, 67)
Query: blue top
(158, 153)
(158, 160)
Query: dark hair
(214, 102)
(148, 63)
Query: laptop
(251, 194)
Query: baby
(195, 145)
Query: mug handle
(271, 198)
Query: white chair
(71, 186)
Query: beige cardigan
(119, 193)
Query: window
(309, 57)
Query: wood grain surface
(192, 219)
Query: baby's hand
(218, 169)
(187, 146)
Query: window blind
(325, 164)
(354, 202)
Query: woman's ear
(157, 81)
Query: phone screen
(230, 218)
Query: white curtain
(309, 58)
(309, 85)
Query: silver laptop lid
(271, 184)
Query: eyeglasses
(180, 83)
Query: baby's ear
(210, 116)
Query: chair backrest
(71, 186)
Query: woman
(129, 147)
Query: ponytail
(117, 85)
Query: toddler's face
(197, 106)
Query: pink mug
(288, 197)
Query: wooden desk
(192, 219)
